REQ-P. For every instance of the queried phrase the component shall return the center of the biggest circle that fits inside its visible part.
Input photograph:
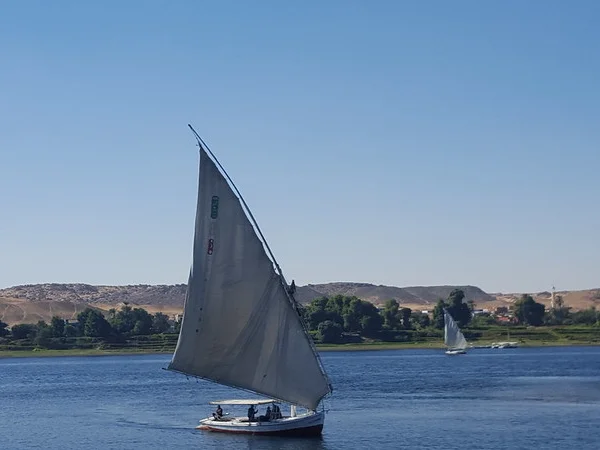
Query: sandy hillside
(31, 303)
(14, 310)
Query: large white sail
(453, 337)
(240, 327)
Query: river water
(406, 399)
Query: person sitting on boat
(251, 413)
(276, 412)
(266, 417)
(218, 414)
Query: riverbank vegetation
(337, 322)
(129, 329)
(349, 320)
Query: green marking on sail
(214, 207)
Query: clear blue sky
(392, 142)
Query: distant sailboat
(241, 325)
(453, 337)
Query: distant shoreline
(320, 348)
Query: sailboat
(241, 324)
(453, 337)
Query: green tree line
(125, 322)
(336, 319)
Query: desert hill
(30, 303)
(416, 295)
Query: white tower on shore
(552, 301)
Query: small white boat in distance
(505, 345)
(453, 337)
(309, 423)
(455, 352)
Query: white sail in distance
(240, 327)
(453, 337)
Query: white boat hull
(455, 352)
(505, 345)
(310, 424)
